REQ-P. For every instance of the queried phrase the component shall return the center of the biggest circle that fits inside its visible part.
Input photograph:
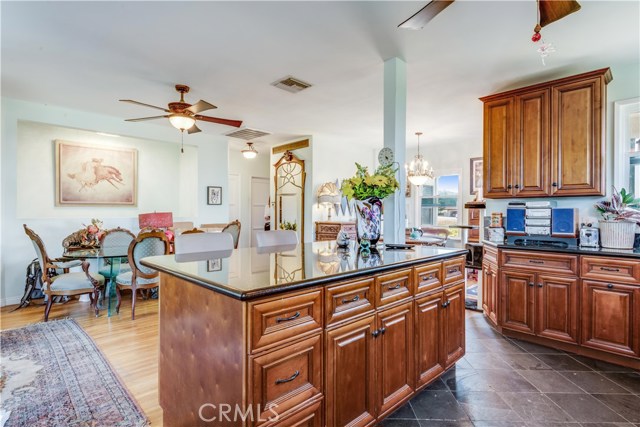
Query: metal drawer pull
(610, 286)
(535, 261)
(446, 304)
(354, 299)
(531, 284)
(286, 319)
(452, 270)
(425, 278)
(610, 269)
(539, 285)
(391, 288)
(291, 378)
(383, 330)
(375, 333)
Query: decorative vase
(617, 234)
(369, 219)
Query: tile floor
(509, 383)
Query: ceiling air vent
(247, 133)
(291, 84)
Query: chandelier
(418, 171)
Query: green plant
(621, 207)
(286, 225)
(363, 185)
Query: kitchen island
(310, 335)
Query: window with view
(440, 203)
(627, 145)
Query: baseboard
(10, 301)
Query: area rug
(52, 374)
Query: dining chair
(146, 244)
(276, 238)
(65, 283)
(191, 243)
(233, 228)
(116, 237)
(194, 230)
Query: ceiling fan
(182, 115)
(549, 11)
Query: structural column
(395, 125)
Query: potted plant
(368, 190)
(617, 228)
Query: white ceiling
(87, 55)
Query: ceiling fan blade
(142, 119)
(143, 104)
(553, 10)
(193, 129)
(234, 123)
(426, 14)
(201, 106)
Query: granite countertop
(249, 273)
(577, 250)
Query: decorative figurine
(343, 239)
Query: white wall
(54, 223)
(259, 167)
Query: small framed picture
(475, 172)
(214, 264)
(214, 195)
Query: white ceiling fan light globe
(181, 121)
(249, 152)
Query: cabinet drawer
(281, 319)
(347, 300)
(287, 377)
(393, 287)
(552, 263)
(427, 277)
(610, 269)
(453, 270)
(309, 416)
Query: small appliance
(589, 236)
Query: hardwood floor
(131, 347)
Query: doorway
(259, 199)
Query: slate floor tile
(562, 362)
(550, 382)
(585, 408)
(437, 385)
(438, 423)
(535, 407)
(502, 346)
(485, 406)
(438, 405)
(535, 348)
(389, 422)
(485, 361)
(474, 345)
(499, 424)
(404, 412)
(524, 362)
(488, 380)
(593, 382)
(599, 365)
(628, 380)
(627, 405)
(607, 425)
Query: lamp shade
(249, 152)
(182, 121)
(329, 193)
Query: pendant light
(249, 152)
(419, 171)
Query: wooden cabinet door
(518, 301)
(611, 317)
(395, 357)
(498, 142)
(453, 314)
(531, 144)
(577, 138)
(351, 374)
(489, 291)
(557, 308)
(428, 338)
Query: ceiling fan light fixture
(182, 121)
(249, 152)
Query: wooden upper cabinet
(578, 140)
(531, 145)
(547, 139)
(498, 134)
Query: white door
(259, 199)
(234, 197)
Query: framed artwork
(475, 172)
(95, 175)
(214, 195)
(214, 264)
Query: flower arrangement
(92, 233)
(622, 207)
(363, 185)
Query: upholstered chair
(114, 238)
(233, 228)
(65, 283)
(140, 277)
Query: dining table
(114, 256)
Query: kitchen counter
(577, 250)
(249, 273)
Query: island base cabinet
(310, 416)
(350, 374)
(454, 332)
(428, 341)
(611, 317)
